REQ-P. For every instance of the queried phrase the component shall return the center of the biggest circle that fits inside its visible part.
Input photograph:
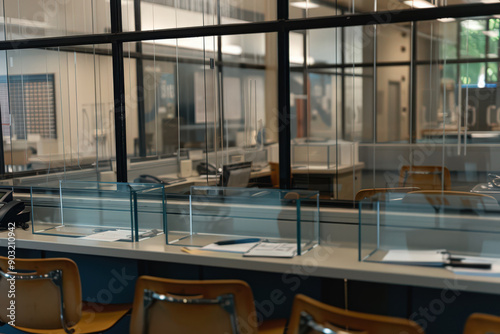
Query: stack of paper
(269, 249)
(493, 272)
(233, 248)
(111, 235)
(436, 257)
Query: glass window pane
(167, 14)
(34, 18)
(58, 124)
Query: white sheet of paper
(269, 249)
(109, 235)
(236, 248)
(415, 257)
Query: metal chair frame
(56, 277)
(307, 323)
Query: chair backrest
(425, 177)
(275, 173)
(367, 193)
(189, 307)
(478, 323)
(348, 321)
(38, 298)
(459, 200)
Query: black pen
(471, 265)
(237, 241)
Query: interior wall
(83, 100)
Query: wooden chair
(425, 177)
(367, 193)
(451, 199)
(311, 316)
(191, 307)
(48, 299)
(478, 323)
(275, 174)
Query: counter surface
(322, 261)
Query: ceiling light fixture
(447, 19)
(418, 4)
(304, 4)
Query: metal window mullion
(284, 134)
(119, 93)
(283, 23)
(140, 83)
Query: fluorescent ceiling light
(304, 4)
(231, 49)
(418, 3)
(489, 1)
(446, 19)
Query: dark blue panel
(104, 279)
(273, 292)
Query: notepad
(233, 248)
(111, 235)
(416, 257)
(120, 235)
(270, 249)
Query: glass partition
(405, 105)
(411, 104)
(101, 211)
(212, 214)
(395, 227)
(203, 105)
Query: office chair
(48, 299)
(425, 177)
(478, 323)
(311, 316)
(192, 307)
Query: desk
(323, 261)
(347, 177)
(341, 182)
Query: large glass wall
(369, 104)
(402, 99)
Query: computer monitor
(236, 175)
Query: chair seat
(95, 318)
(275, 326)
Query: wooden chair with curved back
(275, 174)
(425, 177)
(48, 298)
(479, 323)
(382, 192)
(311, 316)
(189, 307)
(451, 199)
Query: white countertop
(323, 261)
